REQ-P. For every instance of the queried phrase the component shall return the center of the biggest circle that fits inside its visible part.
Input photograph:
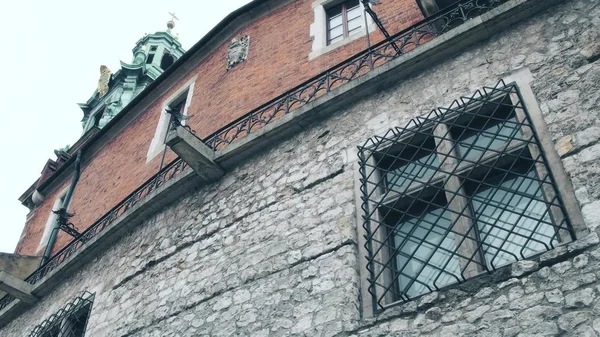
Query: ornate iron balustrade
(353, 67)
(174, 169)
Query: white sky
(50, 57)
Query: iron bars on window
(70, 321)
(460, 192)
(348, 70)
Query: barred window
(462, 191)
(70, 321)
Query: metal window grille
(70, 321)
(459, 192)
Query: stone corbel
(194, 152)
(16, 287)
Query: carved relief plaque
(238, 51)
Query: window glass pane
(336, 34)
(415, 162)
(354, 25)
(513, 220)
(354, 31)
(335, 21)
(334, 11)
(477, 131)
(354, 13)
(424, 248)
(335, 39)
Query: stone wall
(270, 250)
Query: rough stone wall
(270, 250)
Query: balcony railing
(174, 169)
(353, 67)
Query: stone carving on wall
(238, 51)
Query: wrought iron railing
(174, 169)
(353, 67)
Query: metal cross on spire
(171, 22)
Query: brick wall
(280, 43)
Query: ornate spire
(171, 23)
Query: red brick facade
(277, 61)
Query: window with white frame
(337, 23)
(52, 217)
(457, 193)
(180, 102)
(70, 321)
(343, 20)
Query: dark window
(151, 54)
(150, 58)
(167, 61)
(343, 20)
(460, 192)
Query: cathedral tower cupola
(152, 55)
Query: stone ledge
(192, 151)
(16, 287)
(476, 286)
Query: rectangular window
(70, 321)
(460, 192)
(343, 20)
(178, 102)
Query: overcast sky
(50, 58)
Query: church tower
(152, 55)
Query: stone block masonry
(270, 249)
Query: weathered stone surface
(581, 298)
(570, 320)
(521, 268)
(270, 249)
(555, 296)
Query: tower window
(151, 54)
(167, 60)
(150, 58)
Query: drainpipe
(65, 204)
